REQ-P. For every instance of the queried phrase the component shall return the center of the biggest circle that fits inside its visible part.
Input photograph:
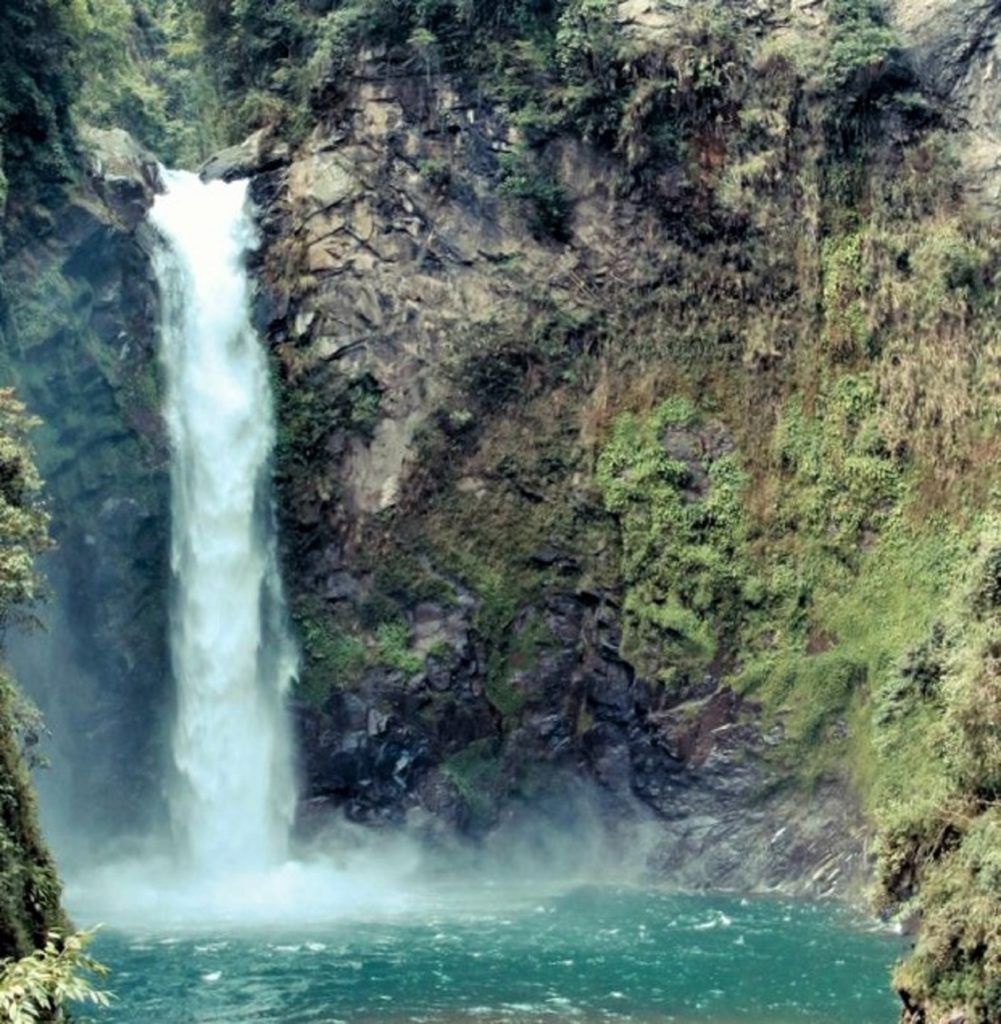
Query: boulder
(126, 175)
(259, 153)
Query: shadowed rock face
(954, 47)
(84, 360)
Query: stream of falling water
(232, 789)
(232, 658)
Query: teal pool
(590, 954)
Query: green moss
(477, 774)
(42, 304)
(337, 648)
(393, 647)
(512, 652)
(939, 778)
(332, 657)
(838, 478)
(500, 598)
(683, 540)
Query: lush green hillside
(29, 909)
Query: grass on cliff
(684, 553)
(813, 287)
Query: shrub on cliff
(38, 78)
(36, 987)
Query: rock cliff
(954, 48)
(406, 299)
(82, 354)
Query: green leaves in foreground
(36, 987)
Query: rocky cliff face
(954, 48)
(81, 352)
(443, 681)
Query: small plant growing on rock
(550, 206)
(437, 173)
(393, 643)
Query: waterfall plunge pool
(587, 954)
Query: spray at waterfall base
(231, 791)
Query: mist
(354, 872)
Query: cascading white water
(233, 792)
(232, 657)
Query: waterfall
(233, 793)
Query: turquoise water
(592, 954)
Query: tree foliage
(36, 987)
(38, 78)
(142, 69)
(23, 517)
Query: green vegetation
(37, 83)
(36, 987)
(338, 649)
(522, 178)
(861, 44)
(683, 540)
(938, 778)
(477, 774)
(311, 411)
(142, 69)
(393, 644)
(29, 888)
(333, 657)
(23, 519)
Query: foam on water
(595, 954)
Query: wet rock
(610, 688)
(438, 677)
(126, 175)
(341, 586)
(546, 557)
(258, 154)
(429, 622)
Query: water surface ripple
(589, 955)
